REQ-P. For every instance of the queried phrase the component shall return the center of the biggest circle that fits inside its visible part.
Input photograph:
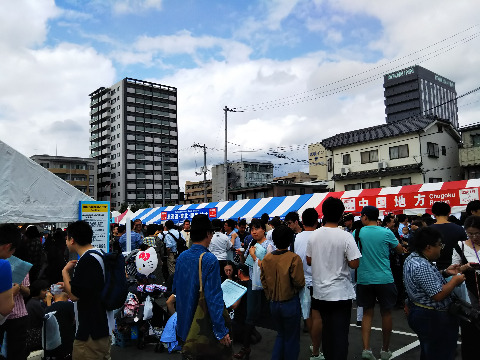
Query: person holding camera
(429, 296)
(471, 255)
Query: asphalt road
(404, 343)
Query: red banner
(411, 200)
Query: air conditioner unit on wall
(344, 171)
(382, 165)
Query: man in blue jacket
(186, 283)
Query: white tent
(30, 193)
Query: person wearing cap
(348, 220)
(375, 279)
(186, 282)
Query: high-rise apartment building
(134, 136)
(79, 172)
(416, 91)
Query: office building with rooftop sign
(416, 92)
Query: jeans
(286, 316)
(437, 332)
(336, 325)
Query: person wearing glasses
(471, 252)
(429, 296)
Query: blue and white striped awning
(243, 209)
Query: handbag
(464, 311)
(200, 339)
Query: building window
(475, 140)
(45, 165)
(444, 151)
(371, 185)
(473, 174)
(434, 180)
(369, 156)
(440, 128)
(398, 152)
(353, 187)
(62, 166)
(346, 159)
(401, 182)
(330, 164)
(290, 192)
(365, 185)
(432, 149)
(302, 191)
(260, 194)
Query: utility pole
(225, 173)
(163, 183)
(204, 170)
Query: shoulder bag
(201, 341)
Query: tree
(145, 205)
(123, 207)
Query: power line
(302, 97)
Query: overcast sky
(301, 70)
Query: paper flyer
(232, 292)
(20, 269)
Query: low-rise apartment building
(412, 151)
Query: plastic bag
(461, 292)
(256, 282)
(148, 309)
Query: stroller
(141, 318)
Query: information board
(97, 214)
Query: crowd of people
(300, 271)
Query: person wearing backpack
(174, 243)
(94, 322)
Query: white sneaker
(318, 357)
(368, 354)
(385, 355)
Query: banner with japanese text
(413, 200)
(97, 214)
(182, 215)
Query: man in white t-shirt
(332, 252)
(310, 221)
(220, 244)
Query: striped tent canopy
(410, 199)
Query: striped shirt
(19, 309)
(422, 281)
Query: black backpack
(181, 243)
(115, 291)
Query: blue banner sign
(181, 215)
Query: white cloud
(24, 22)
(146, 49)
(135, 6)
(44, 90)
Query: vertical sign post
(97, 214)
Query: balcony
(469, 156)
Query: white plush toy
(146, 261)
